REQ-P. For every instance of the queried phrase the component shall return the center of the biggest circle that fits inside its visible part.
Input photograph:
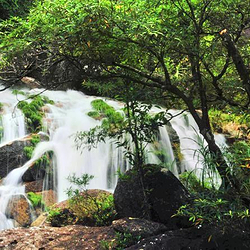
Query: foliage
(230, 122)
(94, 114)
(195, 53)
(192, 183)
(238, 155)
(60, 217)
(91, 209)
(120, 242)
(35, 139)
(33, 112)
(10, 8)
(18, 92)
(214, 208)
(123, 240)
(35, 199)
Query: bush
(91, 207)
(61, 217)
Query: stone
(34, 186)
(49, 197)
(138, 227)
(19, 209)
(12, 156)
(164, 194)
(40, 220)
(195, 239)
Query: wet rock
(49, 197)
(138, 227)
(34, 186)
(164, 195)
(12, 156)
(19, 209)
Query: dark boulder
(195, 239)
(35, 172)
(12, 156)
(138, 227)
(163, 195)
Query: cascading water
(62, 120)
(12, 119)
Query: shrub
(59, 217)
(91, 207)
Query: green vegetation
(184, 54)
(237, 125)
(33, 112)
(18, 92)
(179, 53)
(10, 8)
(93, 209)
(113, 119)
(35, 199)
(84, 207)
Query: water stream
(63, 119)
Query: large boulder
(203, 238)
(163, 194)
(19, 209)
(138, 227)
(12, 156)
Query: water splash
(69, 115)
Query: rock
(49, 197)
(18, 208)
(195, 239)
(12, 156)
(40, 220)
(138, 227)
(30, 82)
(34, 186)
(92, 207)
(35, 172)
(165, 194)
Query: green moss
(95, 114)
(102, 110)
(102, 106)
(32, 112)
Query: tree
(10, 8)
(181, 48)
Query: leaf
(209, 238)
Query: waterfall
(12, 119)
(67, 116)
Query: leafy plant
(59, 217)
(123, 240)
(90, 208)
(35, 199)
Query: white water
(66, 117)
(12, 119)
(193, 146)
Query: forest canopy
(186, 53)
